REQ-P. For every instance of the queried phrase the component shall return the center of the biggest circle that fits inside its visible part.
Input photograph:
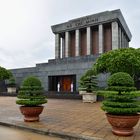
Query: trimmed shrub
(31, 92)
(31, 81)
(121, 97)
(121, 79)
(88, 82)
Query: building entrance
(63, 83)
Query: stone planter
(11, 89)
(31, 114)
(123, 125)
(82, 92)
(89, 97)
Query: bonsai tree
(121, 103)
(31, 96)
(88, 86)
(88, 82)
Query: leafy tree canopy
(121, 60)
(4, 74)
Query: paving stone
(64, 118)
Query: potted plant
(82, 87)
(31, 98)
(87, 88)
(11, 85)
(121, 104)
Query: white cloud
(25, 33)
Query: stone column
(57, 46)
(127, 43)
(100, 39)
(115, 36)
(67, 42)
(120, 37)
(123, 39)
(77, 43)
(88, 40)
(63, 47)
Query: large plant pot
(11, 89)
(123, 125)
(89, 97)
(31, 114)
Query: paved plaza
(68, 118)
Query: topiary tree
(121, 97)
(121, 60)
(31, 92)
(88, 81)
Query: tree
(121, 60)
(4, 74)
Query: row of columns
(118, 41)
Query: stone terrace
(69, 117)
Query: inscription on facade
(81, 22)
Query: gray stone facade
(67, 66)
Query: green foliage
(31, 92)
(121, 60)
(122, 88)
(122, 97)
(88, 81)
(31, 82)
(11, 82)
(31, 102)
(10, 73)
(121, 79)
(4, 74)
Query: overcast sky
(25, 26)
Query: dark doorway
(63, 83)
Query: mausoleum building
(78, 43)
(91, 35)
